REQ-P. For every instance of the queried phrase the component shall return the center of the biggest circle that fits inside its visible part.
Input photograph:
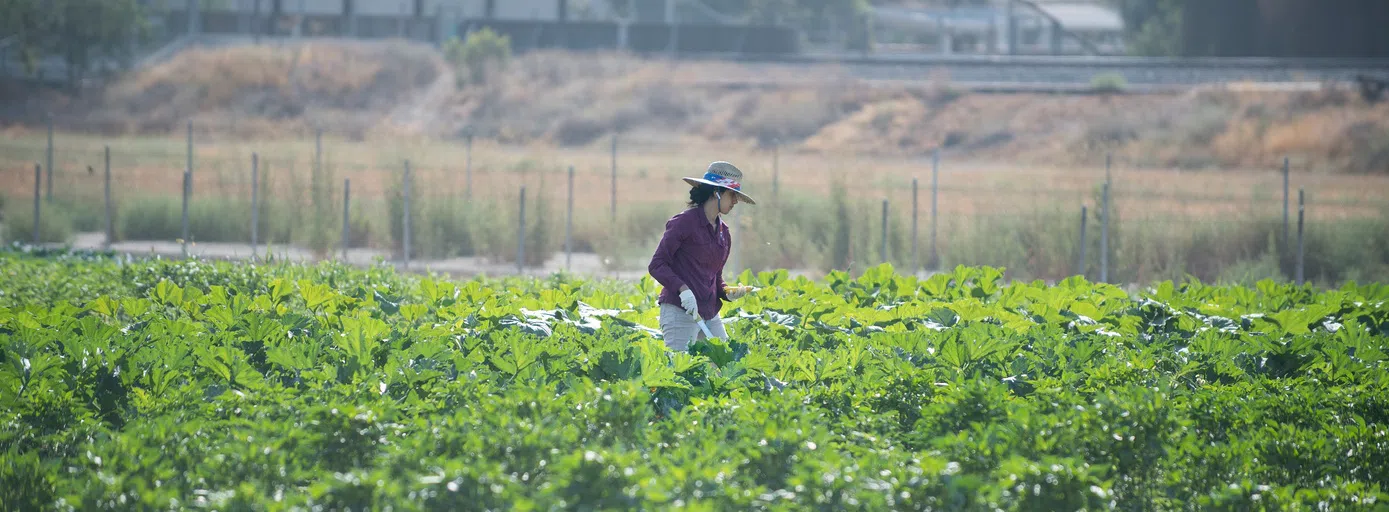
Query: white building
(983, 26)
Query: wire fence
(530, 211)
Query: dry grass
(260, 91)
(979, 201)
(574, 100)
(1021, 163)
(650, 172)
(360, 91)
(1328, 130)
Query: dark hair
(701, 193)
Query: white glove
(687, 301)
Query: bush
(86, 213)
(1343, 250)
(209, 220)
(325, 218)
(396, 207)
(496, 239)
(630, 242)
(17, 224)
(790, 231)
(483, 53)
(216, 220)
(1250, 272)
(1108, 83)
(797, 230)
(447, 224)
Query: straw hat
(724, 175)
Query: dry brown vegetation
(261, 91)
(1017, 167)
(367, 91)
(571, 100)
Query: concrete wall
(531, 10)
(366, 7)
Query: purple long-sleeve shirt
(692, 253)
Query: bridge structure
(771, 46)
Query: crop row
(172, 384)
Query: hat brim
(694, 182)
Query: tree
(1153, 27)
(485, 51)
(84, 33)
(19, 29)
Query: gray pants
(678, 328)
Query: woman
(689, 259)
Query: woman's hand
(687, 301)
(737, 292)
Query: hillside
(252, 91)
(566, 100)
(368, 90)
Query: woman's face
(726, 204)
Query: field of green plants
(158, 384)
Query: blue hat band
(723, 181)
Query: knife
(703, 327)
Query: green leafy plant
(481, 54)
(1108, 83)
(201, 383)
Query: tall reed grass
(794, 230)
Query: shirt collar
(697, 213)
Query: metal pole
(38, 189)
(110, 223)
(521, 234)
(468, 170)
(346, 216)
(1108, 190)
(406, 222)
(255, 201)
(187, 191)
(351, 13)
(569, 224)
(1012, 28)
(1104, 236)
(1285, 202)
(885, 260)
(935, 188)
(190, 147)
(776, 153)
(49, 153)
(1300, 212)
(614, 178)
(1080, 264)
(317, 168)
(192, 17)
(915, 260)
